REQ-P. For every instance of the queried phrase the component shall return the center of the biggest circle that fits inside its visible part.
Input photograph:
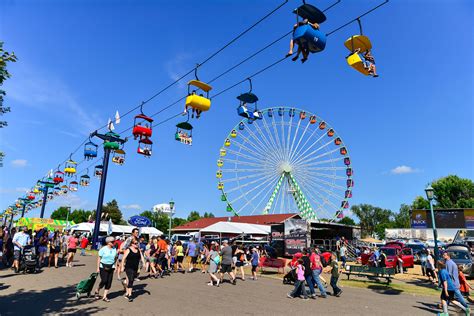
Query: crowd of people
(158, 257)
(46, 246)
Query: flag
(109, 228)
(117, 118)
(110, 125)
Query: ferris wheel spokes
(267, 182)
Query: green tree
(208, 215)
(193, 216)
(80, 216)
(347, 221)
(5, 57)
(60, 213)
(372, 219)
(449, 192)
(159, 220)
(113, 212)
(402, 218)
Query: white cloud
(19, 163)
(403, 170)
(40, 90)
(132, 207)
(176, 67)
(14, 190)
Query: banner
(418, 219)
(296, 231)
(39, 223)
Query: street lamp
(171, 216)
(430, 196)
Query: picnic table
(371, 272)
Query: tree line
(112, 211)
(449, 192)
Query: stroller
(28, 259)
(290, 277)
(86, 285)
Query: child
(299, 284)
(447, 290)
(464, 285)
(334, 269)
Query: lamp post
(430, 195)
(67, 217)
(171, 216)
(46, 186)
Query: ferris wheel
(285, 160)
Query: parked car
(181, 237)
(461, 255)
(415, 241)
(430, 243)
(418, 249)
(393, 251)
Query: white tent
(237, 228)
(118, 229)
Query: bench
(367, 271)
(272, 263)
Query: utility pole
(112, 141)
(46, 185)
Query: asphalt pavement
(52, 291)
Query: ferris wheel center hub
(285, 167)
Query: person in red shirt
(71, 249)
(464, 286)
(84, 242)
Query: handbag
(107, 267)
(217, 260)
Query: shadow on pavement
(59, 300)
(138, 289)
(382, 289)
(429, 307)
(3, 286)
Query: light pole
(171, 216)
(430, 195)
(67, 217)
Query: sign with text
(296, 231)
(444, 218)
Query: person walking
(64, 242)
(54, 249)
(84, 243)
(130, 262)
(106, 260)
(71, 249)
(334, 269)
(239, 264)
(299, 283)
(452, 269)
(191, 253)
(448, 289)
(430, 267)
(342, 253)
(226, 265)
(20, 240)
(213, 259)
(308, 273)
(42, 246)
(179, 256)
(254, 261)
(316, 269)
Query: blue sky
(80, 61)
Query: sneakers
(218, 282)
(305, 298)
(234, 281)
(313, 296)
(289, 295)
(340, 292)
(210, 284)
(468, 311)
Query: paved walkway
(52, 291)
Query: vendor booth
(39, 223)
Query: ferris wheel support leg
(45, 195)
(100, 200)
(272, 197)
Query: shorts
(239, 264)
(180, 259)
(54, 250)
(254, 268)
(71, 250)
(16, 254)
(450, 296)
(226, 268)
(42, 249)
(193, 260)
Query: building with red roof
(270, 219)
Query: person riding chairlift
(301, 48)
(369, 62)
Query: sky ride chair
(198, 103)
(305, 34)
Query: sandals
(105, 299)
